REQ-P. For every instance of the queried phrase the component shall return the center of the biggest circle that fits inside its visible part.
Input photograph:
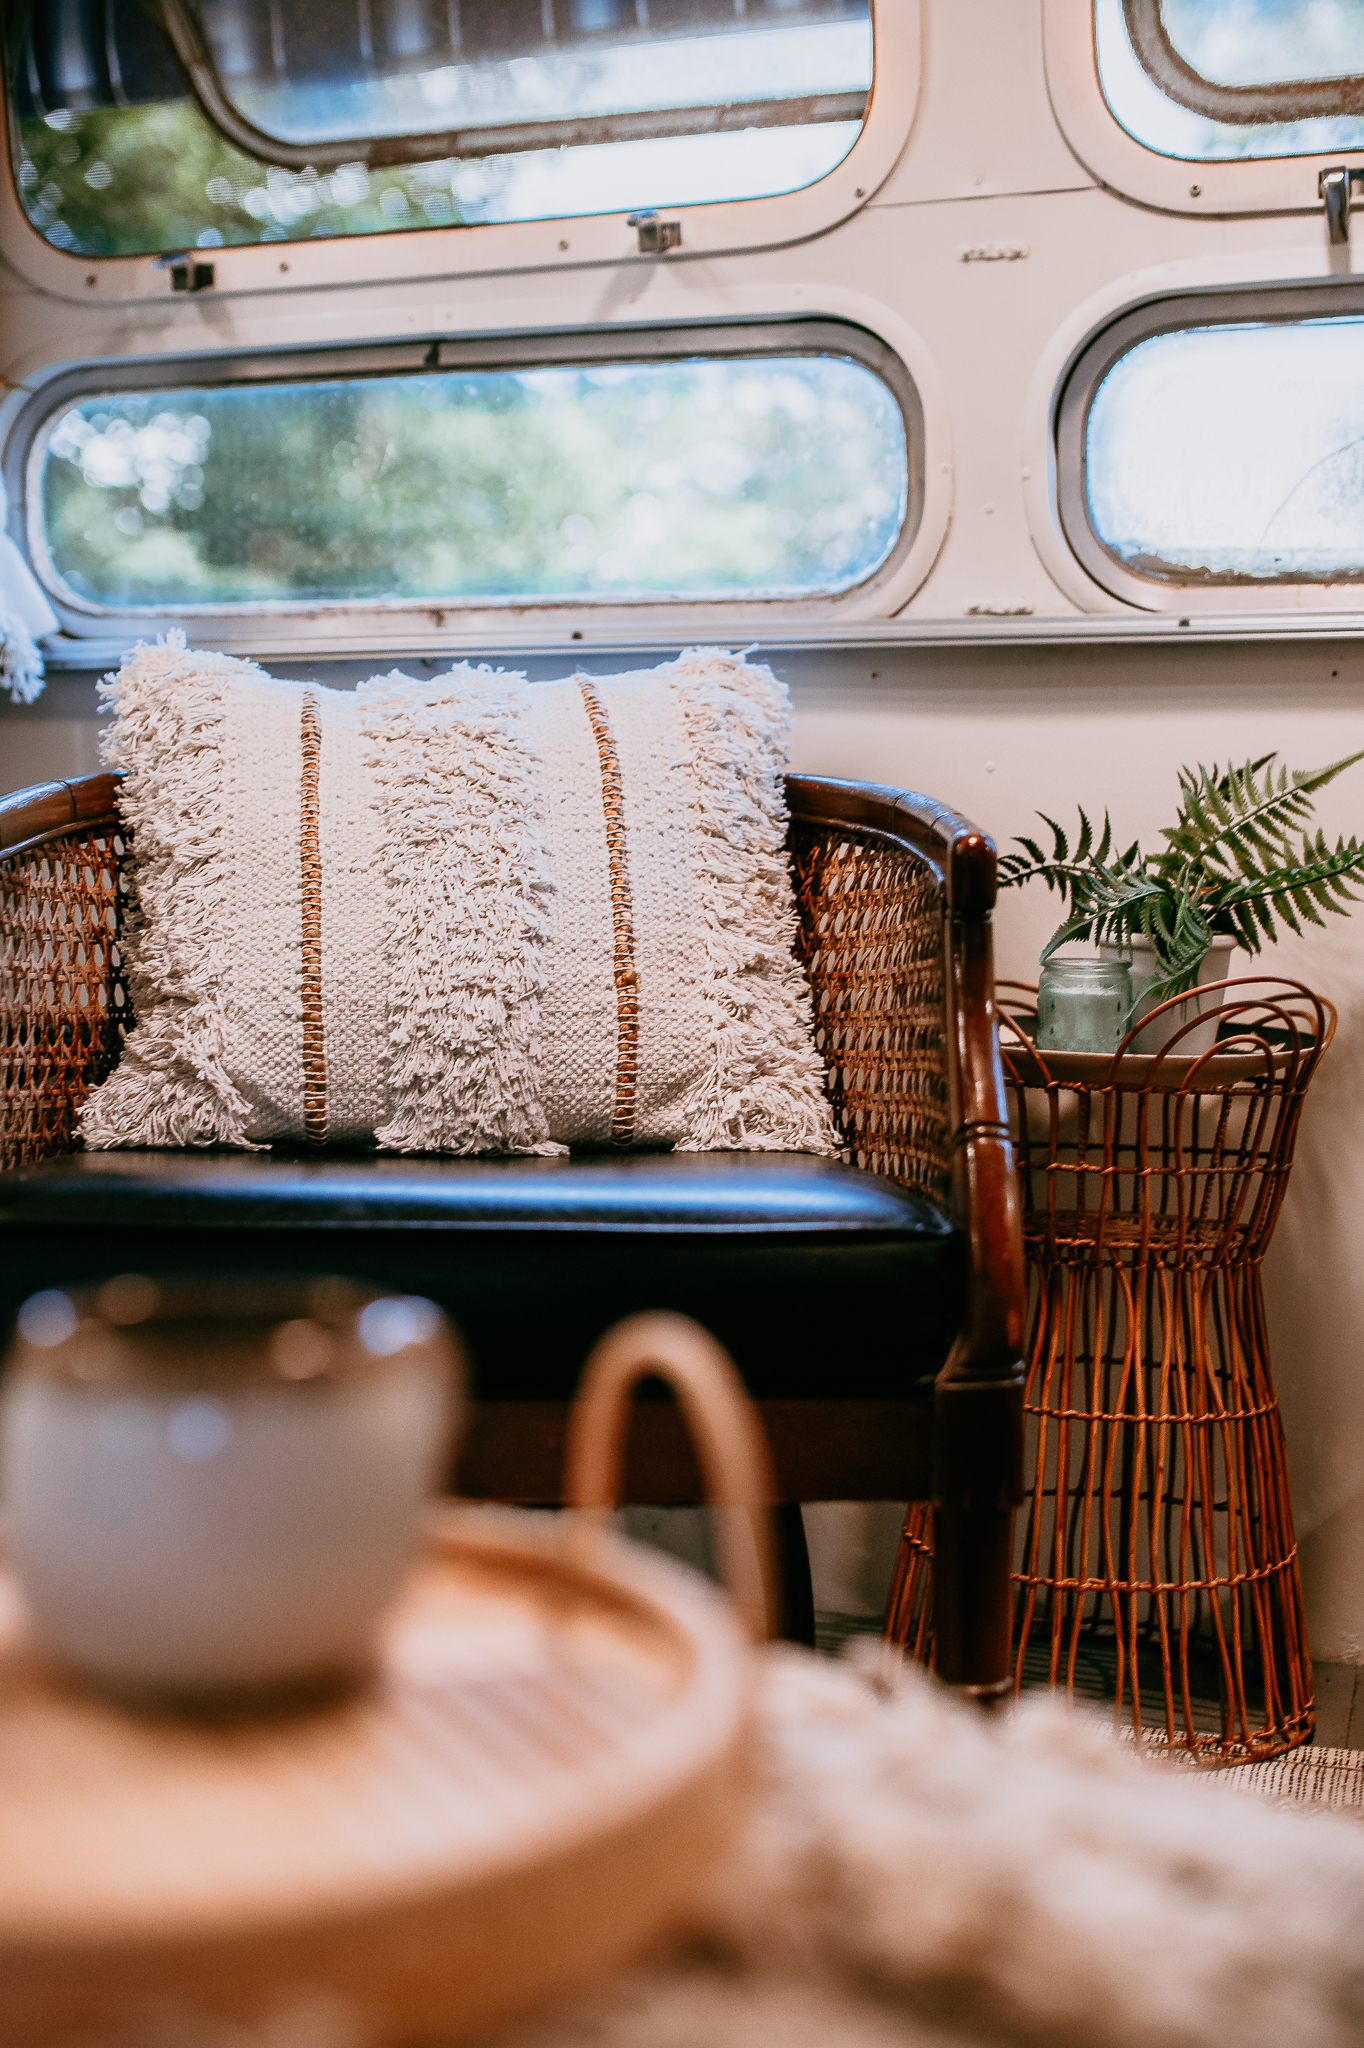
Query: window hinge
(1336, 187)
(656, 236)
(186, 273)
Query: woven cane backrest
(872, 943)
(63, 1007)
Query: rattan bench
(874, 1306)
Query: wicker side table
(1155, 1559)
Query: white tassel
(21, 665)
(763, 1088)
(26, 617)
(171, 1087)
(467, 873)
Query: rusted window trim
(1241, 106)
(1266, 306)
(196, 58)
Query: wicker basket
(1155, 1561)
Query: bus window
(243, 121)
(776, 475)
(1211, 79)
(1228, 454)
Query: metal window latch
(1336, 187)
(656, 236)
(187, 274)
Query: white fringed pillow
(467, 915)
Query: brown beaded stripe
(622, 922)
(310, 849)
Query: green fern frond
(1228, 817)
(1298, 892)
(1062, 853)
(1239, 860)
(1060, 869)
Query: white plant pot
(1215, 966)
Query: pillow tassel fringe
(468, 883)
(762, 1090)
(171, 1086)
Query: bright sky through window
(1234, 454)
(770, 63)
(1235, 42)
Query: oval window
(1224, 79)
(1232, 454)
(767, 476)
(213, 123)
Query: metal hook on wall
(1336, 187)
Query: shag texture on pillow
(466, 915)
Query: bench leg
(977, 1464)
(972, 1604)
(793, 1574)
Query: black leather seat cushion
(822, 1281)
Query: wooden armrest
(32, 816)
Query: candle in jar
(1083, 1005)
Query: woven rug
(919, 1875)
(1314, 1777)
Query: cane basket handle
(731, 1448)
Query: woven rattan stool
(1155, 1560)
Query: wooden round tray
(550, 1753)
(1209, 1072)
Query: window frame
(1194, 186)
(187, 34)
(1342, 94)
(1266, 305)
(565, 243)
(879, 592)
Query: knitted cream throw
(465, 915)
(913, 1875)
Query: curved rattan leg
(909, 1606)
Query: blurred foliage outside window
(758, 476)
(122, 181)
(116, 158)
(132, 181)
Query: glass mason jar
(214, 1486)
(1083, 1005)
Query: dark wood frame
(977, 1438)
(974, 1472)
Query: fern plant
(1231, 867)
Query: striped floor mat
(1315, 1777)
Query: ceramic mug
(213, 1487)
